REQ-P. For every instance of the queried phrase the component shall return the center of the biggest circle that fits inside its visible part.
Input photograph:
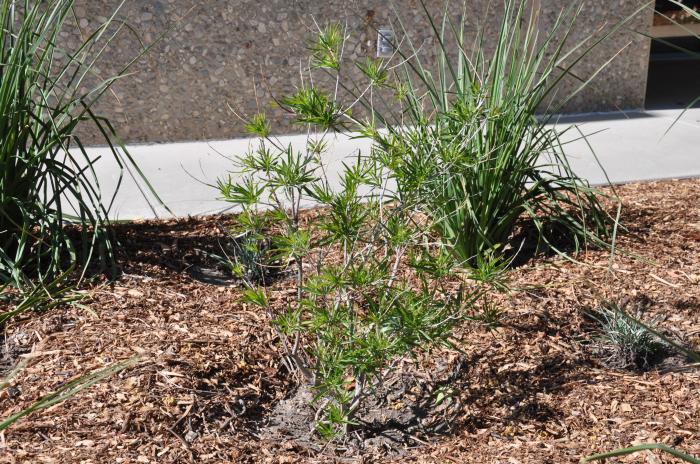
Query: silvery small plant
(627, 342)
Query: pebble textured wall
(238, 53)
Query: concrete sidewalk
(631, 147)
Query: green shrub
(46, 176)
(354, 312)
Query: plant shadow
(526, 243)
(199, 249)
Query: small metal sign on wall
(385, 42)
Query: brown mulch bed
(532, 391)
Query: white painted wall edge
(631, 147)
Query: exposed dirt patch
(211, 383)
(411, 402)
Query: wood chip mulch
(533, 391)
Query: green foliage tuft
(258, 125)
(312, 106)
(375, 70)
(632, 345)
(326, 49)
(490, 315)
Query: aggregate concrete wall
(238, 53)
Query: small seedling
(444, 394)
(490, 315)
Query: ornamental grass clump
(467, 139)
(630, 342)
(471, 146)
(47, 180)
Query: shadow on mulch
(10, 353)
(200, 249)
(637, 222)
(525, 244)
(494, 389)
(246, 410)
(517, 392)
(177, 245)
